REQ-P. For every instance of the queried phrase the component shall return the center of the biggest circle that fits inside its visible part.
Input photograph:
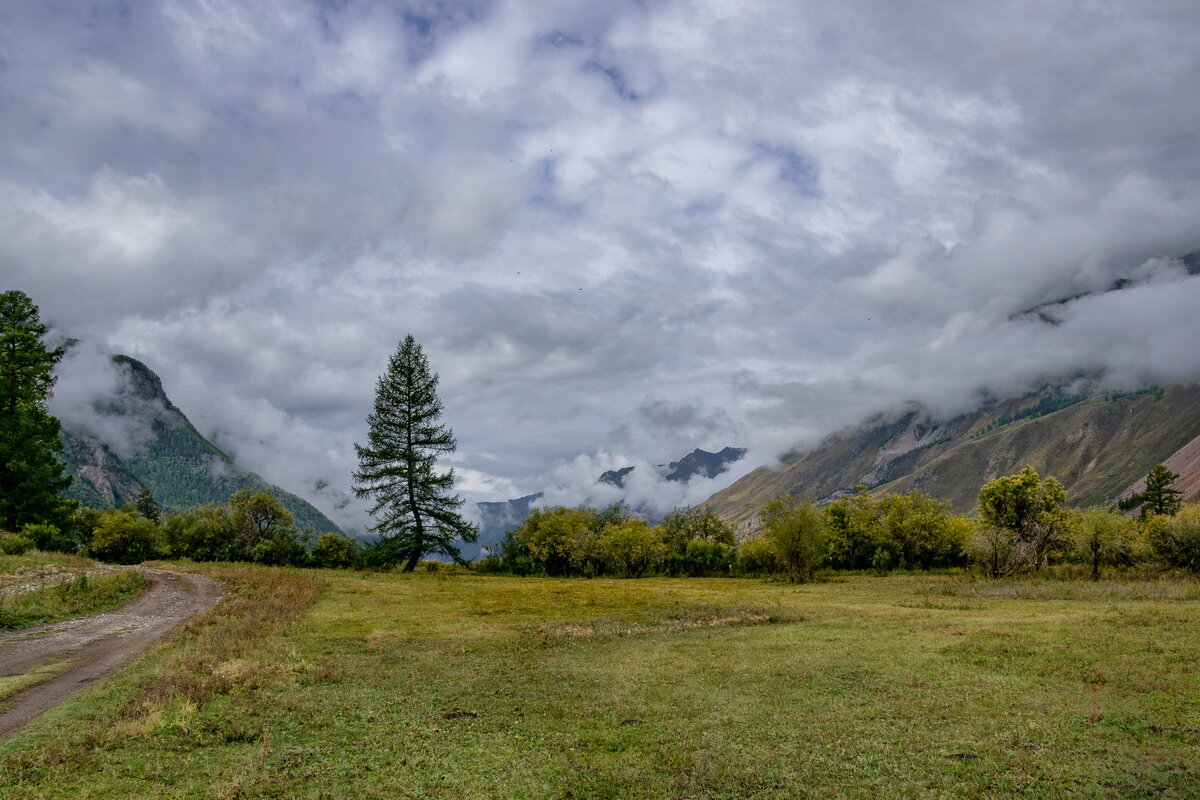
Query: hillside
(1185, 462)
(159, 449)
(1097, 445)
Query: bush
(1101, 538)
(125, 537)
(683, 526)
(920, 532)
(49, 538)
(278, 551)
(1033, 514)
(14, 544)
(201, 535)
(702, 557)
(334, 551)
(798, 533)
(1176, 540)
(632, 547)
(559, 538)
(757, 556)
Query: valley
(453, 685)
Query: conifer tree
(32, 472)
(416, 512)
(1161, 496)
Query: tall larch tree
(32, 472)
(414, 506)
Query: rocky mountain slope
(158, 449)
(1098, 445)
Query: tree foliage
(909, 531)
(32, 473)
(631, 548)
(414, 508)
(125, 537)
(798, 534)
(1102, 537)
(1176, 539)
(1025, 520)
(334, 551)
(1161, 496)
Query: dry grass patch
(200, 687)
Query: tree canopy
(414, 506)
(1161, 496)
(1025, 519)
(32, 472)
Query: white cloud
(618, 228)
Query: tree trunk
(413, 558)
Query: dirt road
(78, 652)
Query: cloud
(87, 383)
(623, 230)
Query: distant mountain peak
(162, 452)
(703, 463)
(698, 462)
(616, 477)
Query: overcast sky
(620, 230)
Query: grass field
(461, 686)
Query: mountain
(138, 439)
(698, 462)
(704, 463)
(1185, 462)
(1096, 444)
(497, 519)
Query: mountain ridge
(164, 453)
(1097, 444)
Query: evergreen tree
(148, 507)
(32, 472)
(413, 505)
(1161, 497)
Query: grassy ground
(35, 565)
(459, 686)
(64, 588)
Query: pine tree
(413, 505)
(1161, 497)
(32, 471)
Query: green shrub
(1101, 537)
(280, 550)
(201, 535)
(1176, 540)
(125, 537)
(799, 535)
(683, 526)
(631, 548)
(15, 544)
(702, 557)
(334, 551)
(49, 538)
(757, 556)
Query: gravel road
(92, 647)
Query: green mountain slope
(1096, 445)
(167, 455)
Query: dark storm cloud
(623, 230)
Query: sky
(619, 230)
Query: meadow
(330, 684)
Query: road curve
(92, 647)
